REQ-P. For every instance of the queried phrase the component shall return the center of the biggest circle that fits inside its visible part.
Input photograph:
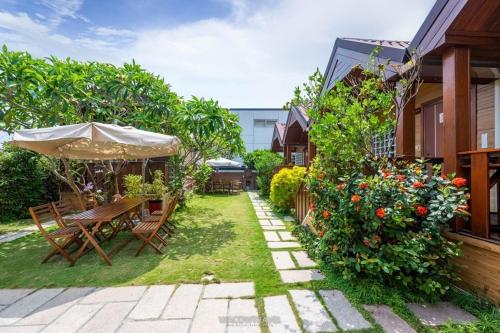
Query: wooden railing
(482, 168)
(302, 202)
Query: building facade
(258, 125)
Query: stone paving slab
(9, 296)
(261, 215)
(243, 317)
(212, 314)
(26, 305)
(265, 223)
(282, 260)
(282, 245)
(302, 275)
(108, 319)
(303, 259)
(229, 290)
(21, 329)
(286, 236)
(348, 318)
(55, 307)
(10, 236)
(311, 311)
(277, 222)
(152, 303)
(73, 319)
(273, 227)
(115, 294)
(156, 326)
(440, 313)
(279, 315)
(390, 322)
(183, 302)
(271, 236)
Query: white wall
(258, 137)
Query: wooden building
(454, 119)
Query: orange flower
(326, 214)
(340, 186)
(418, 184)
(321, 234)
(459, 182)
(312, 206)
(386, 173)
(418, 171)
(380, 213)
(421, 210)
(401, 178)
(363, 186)
(355, 198)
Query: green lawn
(17, 225)
(216, 234)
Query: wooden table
(123, 211)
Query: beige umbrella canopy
(96, 141)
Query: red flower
(326, 214)
(418, 184)
(459, 182)
(422, 211)
(321, 234)
(340, 186)
(355, 198)
(312, 207)
(380, 213)
(366, 242)
(363, 186)
(401, 178)
(386, 173)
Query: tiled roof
(303, 112)
(281, 129)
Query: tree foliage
(264, 162)
(284, 187)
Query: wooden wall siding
(419, 140)
(486, 113)
(480, 266)
(428, 92)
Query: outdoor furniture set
(224, 186)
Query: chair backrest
(169, 209)
(60, 209)
(40, 214)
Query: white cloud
(252, 58)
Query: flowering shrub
(388, 225)
(284, 186)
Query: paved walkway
(10, 236)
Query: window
(264, 122)
(297, 158)
(380, 145)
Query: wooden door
(433, 129)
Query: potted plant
(156, 191)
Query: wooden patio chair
(148, 229)
(60, 209)
(61, 239)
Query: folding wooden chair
(61, 239)
(148, 229)
(60, 209)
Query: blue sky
(243, 53)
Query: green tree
(264, 162)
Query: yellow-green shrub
(284, 186)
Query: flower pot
(155, 205)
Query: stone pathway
(10, 236)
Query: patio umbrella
(96, 141)
(223, 162)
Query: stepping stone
(108, 319)
(390, 322)
(150, 326)
(311, 311)
(271, 236)
(277, 222)
(55, 307)
(152, 303)
(211, 313)
(229, 290)
(264, 223)
(279, 315)
(71, 320)
(22, 329)
(282, 260)
(286, 236)
(348, 318)
(300, 275)
(261, 215)
(282, 245)
(271, 214)
(183, 302)
(440, 313)
(273, 227)
(9, 296)
(115, 294)
(303, 259)
(26, 305)
(243, 317)
(288, 218)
